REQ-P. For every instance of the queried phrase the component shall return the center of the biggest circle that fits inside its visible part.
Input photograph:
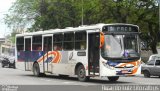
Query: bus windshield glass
(120, 46)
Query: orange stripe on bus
(57, 57)
(54, 53)
(134, 63)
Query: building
(2, 40)
(158, 51)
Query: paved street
(9, 76)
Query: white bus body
(77, 51)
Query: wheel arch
(146, 70)
(33, 64)
(76, 67)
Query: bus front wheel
(82, 74)
(36, 70)
(115, 78)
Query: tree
(22, 14)
(148, 17)
(49, 14)
(144, 13)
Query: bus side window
(80, 40)
(28, 44)
(39, 48)
(45, 48)
(68, 43)
(57, 42)
(20, 43)
(37, 43)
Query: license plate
(124, 71)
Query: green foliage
(158, 46)
(22, 13)
(47, 14)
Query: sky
(4, 7)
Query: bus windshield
(120, 47)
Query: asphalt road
(9, 76)
(18, 80)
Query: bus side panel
(81, 57)
(38, 56)
(24, 60)
(28, 62)
(62, 66)
(68, 61)
(20, 62)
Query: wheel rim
(81, 73)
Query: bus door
(27, 52)
(93, 53)
(47, 47)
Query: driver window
(157, 62)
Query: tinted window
(157, 62)
(57, 41)
(68, 43)
(37, 43)
(28, 44)
(80, 40)
(20, 43)
(47, 44)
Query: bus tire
(113, 79)
(81, 73)
(36, 70)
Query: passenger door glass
(157, 63)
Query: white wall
(0, 46)
(158, 51)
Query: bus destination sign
(120, 28)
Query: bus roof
(69, 29)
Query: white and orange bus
(102, 50)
